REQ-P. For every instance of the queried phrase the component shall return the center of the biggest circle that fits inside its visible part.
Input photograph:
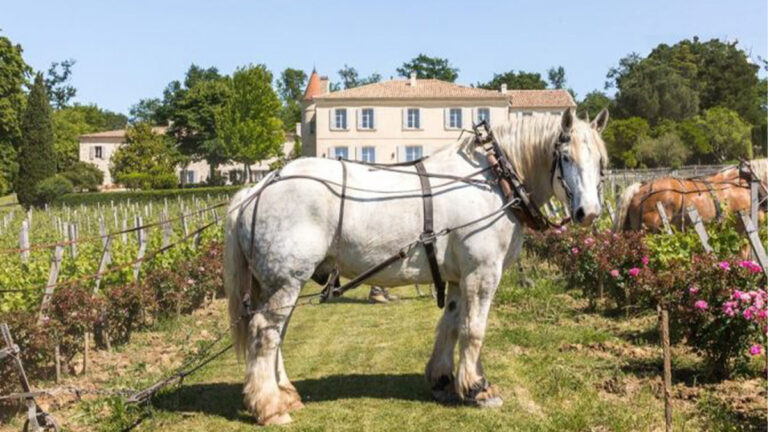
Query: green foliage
(290, 87)
(36, 152)
(56, 81)
(621, 136)
(49, 189)
(351, 79)
(149, 110)
(429, 67)
(247, 124)
(665, 150)
(192, 110)
(85, 177)
(556, 77)
(728, 136)
(515, 81)
(71, 122)
(594, 102)
(145, 152)
(13, 76)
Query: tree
(56, 82)
(13, 77)
(192, 110)
(247, 124)
(147, 159)
(71, 122)
(593, 103)
(656, 91)
(664, 150)
(36, 152)
(150, 110)
(728, 136)
(621, 137)
(515, 81)
(350, 78)
(429, 67)
(290, 87)
(84, 176)
(556, 77)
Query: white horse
(292, 239)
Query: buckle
(427, 237)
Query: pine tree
(36, 153)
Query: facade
(402, 120)
(98, 148)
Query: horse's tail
(237, 276)
(622, 212)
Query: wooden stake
(86, 344)
(58, 253)
(698, 225)
(57, 360)
(664, 218)
(667, 354)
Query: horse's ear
(600, 121)
(566, 123)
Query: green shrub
(47, 190)
(84, 176)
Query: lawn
(359, 366)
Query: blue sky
(130, 50)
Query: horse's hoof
(443, 390)
(484, 395)
(295, 406)
(277, 419)
(491, 402)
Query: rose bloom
(693, 289)
(574, 250)
(589, 241)
(645, 260)
(755, 350)
(614, 273)
(634, 271)
(724, 265)
(701, 304)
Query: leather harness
(516, 199)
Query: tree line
(691, 102)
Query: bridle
(556, 171)
(509, 182)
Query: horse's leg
(477, 290)
(287, 391)
(263, 395)
(439, 369)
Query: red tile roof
(314, 86)
(540, 99)
(402, 89)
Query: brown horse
(713, 197)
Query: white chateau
(405, 119)
(392, 121)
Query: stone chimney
(413, 79)
(504, 88)
(325, 84)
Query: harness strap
(428, 235)
(715, 201)
(333, 283)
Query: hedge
(141, 196)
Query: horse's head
(577, 167)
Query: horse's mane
(528, 140)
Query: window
(483, 114)
(340, 118)
(366, 118)
(556, 113)
(368, 154)
(312, 127)
(454, 118)
(527, 114)
(341, 152)
(412, 153)
(190, 176)
(413, 118)
(98, 152)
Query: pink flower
(574, 250)
(614, 273)
(745, 297)
(634, 271)
(191, 281)
(701, 304)
(755, 350)
(693, 289)
(645, 260)
(725, 265)
(728, 308)
(589, 241)
(748, 312)
(761, 314)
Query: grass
(360, 367)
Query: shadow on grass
(226, 399)
(689, 375)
